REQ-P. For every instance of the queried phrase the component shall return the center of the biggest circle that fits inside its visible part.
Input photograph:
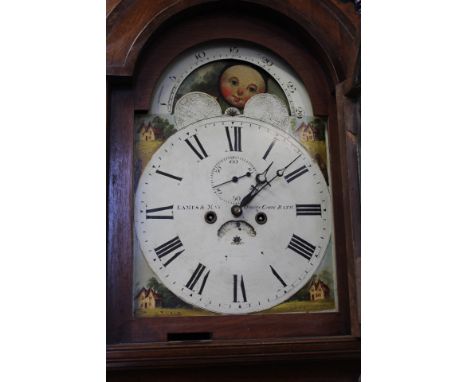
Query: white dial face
(232, 215)
(293, 88)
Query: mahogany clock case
(323, 65)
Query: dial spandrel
(232, 231)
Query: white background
(414, 209)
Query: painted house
(148, 299)
(308, 132)
(147, 132)
(318, 290)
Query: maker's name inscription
(213, 207)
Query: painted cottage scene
(150, 133)
(318, 290)
(318, 295)
(312, 136)
(147, 299)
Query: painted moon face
(239, 83)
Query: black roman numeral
(268, 149)
(203, 153)
(278, 276)
(151, 211)
(167, 248)
(308, 209)
(301, 247)
(296, 174)
(242, 287)
(196, 276)
(237, 138)
(169, 175)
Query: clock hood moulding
(178, 38)
(333, 27)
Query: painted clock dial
(280, 75)
(232, 215)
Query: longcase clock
(233, 204)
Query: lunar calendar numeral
(299, 112)
(151, 211)
(267, 61)
(273, 270)
(301, 247)
(296, 174)
(200, 55)
(239, 282)
(196, 277)
(203, 153)
(236, 139)
(169, 247)
(308, 209)
(268, 150)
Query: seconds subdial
(231, 178)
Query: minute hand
(255, 191)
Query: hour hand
(259, 179)
(248, 198)
(255, 190)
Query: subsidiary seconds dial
(228, 187)
(232, 215)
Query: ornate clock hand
(255, 191)
(261, 178)
(248, 198)
(280, 172)
(234, 179)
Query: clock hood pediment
(131, 25)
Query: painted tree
(162, 124)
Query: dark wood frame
(262, 336)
